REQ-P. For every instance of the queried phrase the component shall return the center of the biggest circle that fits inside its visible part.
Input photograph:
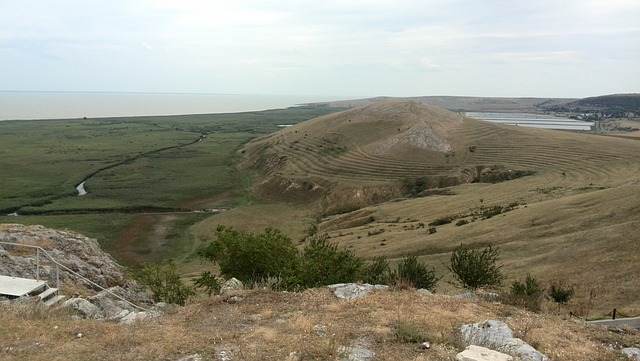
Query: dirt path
(145, 239)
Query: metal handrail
(58, 264)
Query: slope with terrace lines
(388, 142)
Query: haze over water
(73, 105)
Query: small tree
(208, 282)
(530, 287)
(322, 263)
(417, 274)
(559, 293)
(251, 257)
(377, 272)
(475, 268)
(527, 293)
(164, 283)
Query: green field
(132, 166)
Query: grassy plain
(133, 165)
(573, 220)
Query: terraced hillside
(573, 218)
(381, 148)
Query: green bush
(208, 282)
(251, 257)
(408, 333)
(322, 263)
(559, 293)
(530, 287)
(417, 274)
(441, 221)
(475, 268)
(527, 294)
(254, 258)
(164, 283)
(377, 272)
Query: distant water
(532, 120)
(70, 105)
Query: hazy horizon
(572, 49)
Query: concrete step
(53, 300)
(17, 287)
(48, 293)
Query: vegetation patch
(497, 174)
(426, 186)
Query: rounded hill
(396, 148)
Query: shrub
(530, 287)
(208, 282)
(164, 283)
(268, 256)
(322, 263)
(559, 293)
(442, 220)
(251, 257)
(417, 274)
(408, 333)
(527, 294)
(377, 272)
(475, 268)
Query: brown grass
(295, 326)
(576, 218)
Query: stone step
(53, 300)
(48, 293)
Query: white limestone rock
(351, 291)
(479, 353)
(498, 336)
(231, 285)
(84, 308)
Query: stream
(80, 189)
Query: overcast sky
(572, 48)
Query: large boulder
(355, 354)
(83, 308)
(231, 285)
(478, 353)
(84, 262)
(498, 336)
(632, 353)
(351, 291)
(80, 254)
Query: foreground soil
(312, 325)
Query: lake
(73, 105)
(532, 120)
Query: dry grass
(312, 325)
(576, 218)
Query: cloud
(269, 46)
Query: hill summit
(371, 154)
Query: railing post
(38, 264)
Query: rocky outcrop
(498, 336)
(356, 354)
(85, 266)
(479, 353)
(231, 285)
(633, 353)
(77, 253)
(83, 308)
(350, 291)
